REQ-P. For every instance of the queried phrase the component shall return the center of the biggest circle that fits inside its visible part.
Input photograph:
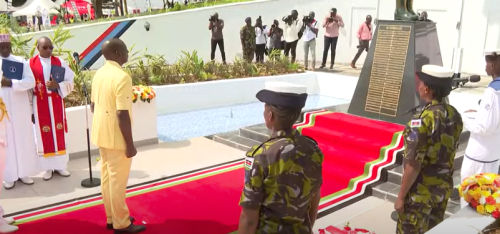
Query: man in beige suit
(112, 133)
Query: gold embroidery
(3, 110)
(39, 87)
(46, 128)
(59, 126)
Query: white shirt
(308, 33)
(260, 36)
(291, 32)
(484, 126)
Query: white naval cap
(436, 75)
(492, 55)
(283, 94)
(492, 52)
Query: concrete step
(389, 191)
(258, 133)
(233, 139)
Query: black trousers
(330, 43)
(363, 45)
(291, 47)
(260, 50)
(219, 42)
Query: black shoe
(322, 66)
(131, 229)
(331, 67)
(110, 225)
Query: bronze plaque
(388, 69)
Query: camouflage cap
(283, 94)
(436, 75)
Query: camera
(330, 19)
(288, 18)
(307, 19)
(212, 18)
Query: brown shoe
(109, 226)
(131, 229)
(353, 66)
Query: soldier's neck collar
(283, 133)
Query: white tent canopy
(34, 6)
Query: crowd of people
(259, 40)
(36, 125)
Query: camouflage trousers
(418, 218)
(248, 54)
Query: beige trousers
(114, 177)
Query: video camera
(288, 19)
(307, 19)
(212, 18)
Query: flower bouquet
(144, 93)
(482, 192)
(346, 230)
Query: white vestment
(4, 118)
(21, 160)
(482, 154)
(58, 162)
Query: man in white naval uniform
(483, 150)
(21, 160)
(5, 223)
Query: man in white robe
(21, 160)
(5, 223)
(49, 111)
(482, 152)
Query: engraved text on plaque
(388, 68)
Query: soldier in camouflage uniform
(282, 175)
(247, 36)
(431, 140)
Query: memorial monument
(387, 85)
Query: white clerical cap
(283, 94)
(436, 75)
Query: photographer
(291, 34)
(310, 29)
(332, 23)
(216, 25)
(275, 34)
(260, 41)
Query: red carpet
(356, 149)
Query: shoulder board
(495, 84)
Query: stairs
(389, 189)
(388, 186)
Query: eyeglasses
(48, 47)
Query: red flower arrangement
(346, 230)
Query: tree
(97, 8)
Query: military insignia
(46, 128)
(487, 107)
(416, 123)
(59, 126)
(12, 69)
(249, 163)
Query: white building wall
(174, 32)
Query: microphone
(76, 56)
(461, 81)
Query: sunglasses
(48, 47)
